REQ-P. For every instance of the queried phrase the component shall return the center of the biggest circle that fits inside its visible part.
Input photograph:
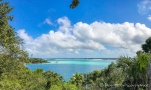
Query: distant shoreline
(82, 58)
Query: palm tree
(77, 79)
(135, 70)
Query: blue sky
(96, 28)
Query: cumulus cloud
(149, 17)
(87, 40)
(65, 26)
(47, 21)
(24, 35)
(144, 6)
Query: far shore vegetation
(126, 74)
(37, 60)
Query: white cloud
(65, 25)
(149, 17)
(88, 40)
(47, 21)
(24, 35)
(144, 6)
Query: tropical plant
(134, 70)
(147, 46)
(77, 79)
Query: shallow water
(67, 67)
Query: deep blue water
(67, 67)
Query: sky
(95, 29)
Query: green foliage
(74, 4)
(9, 85)
(144, 59)
(37, 60)
(55, 87)
(10, 43)
(126, 71)
(65, 86)
(77, 79)
(147, 46)
(52, 79)
(69, 86)
(135, 69)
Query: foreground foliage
(126, 74)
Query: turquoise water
(67, 67)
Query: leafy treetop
(147, 46)
(74, 4)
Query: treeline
(15, 76)
(37, 60)
(126, 74)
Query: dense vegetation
(37, 60)
(15, 76)
(120, 76)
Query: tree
(52, 79)
(147, 49)
(12, 55)
(134, 70)
(77, 79)
(112, 75)
(10, 43)
(147, 46)
(74, 4)
(11, 47)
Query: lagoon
(68, 67)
